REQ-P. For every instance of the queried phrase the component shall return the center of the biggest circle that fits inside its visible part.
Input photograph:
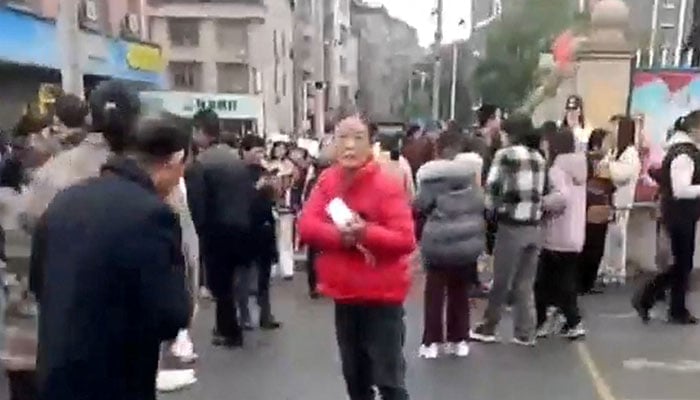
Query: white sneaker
(545, 331)
(173, 380)
(461, 349)
(524, 342)
(429, 352)
(183, 348)
(574, 333)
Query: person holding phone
(358, 218)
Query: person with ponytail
(114, 109)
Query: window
(343, 35)
(344, 94)
(232, 35)
(274, 44)
(284, 47)
(343, 65)
(186, 75)
(276, 80)
(284, 85)
(184, 32)
(232, 78)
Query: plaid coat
(515, 185)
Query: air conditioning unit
(90, 10)
(132, 23)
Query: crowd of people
(135, 219)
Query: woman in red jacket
(363, 261)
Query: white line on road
(682, 366)
(601, 386)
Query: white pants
(614, 268)
(285, 245)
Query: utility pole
(68, 27)
(437, 67)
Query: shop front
(30, 61)
(239, 113)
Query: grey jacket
(453, 208)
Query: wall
(662, 96)
(279, 113)
(113, 12)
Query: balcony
(254, 10)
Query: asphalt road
(621, 359)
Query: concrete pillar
(210, 47)
(604, 63)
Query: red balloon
(563, 48)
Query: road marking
(601, 386)
(619, 315)
(683, 366)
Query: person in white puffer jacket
(625, 167)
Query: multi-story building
(341, 55)
(308, 58)
(236, 53)
(109, 44)
(387, 51)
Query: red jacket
(346, 274)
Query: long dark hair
(581, 117)
(626, 131)
(559, 142)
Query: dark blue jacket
(108, 271)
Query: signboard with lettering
(144, 57)
(186, 104)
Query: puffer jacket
(61, 171)
(453, 206)
(566, 230)
(376, 269)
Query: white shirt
(682, 170)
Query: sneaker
(205, 294)
(183, 348)
(482, 334)
(576, 332)
(429, 352)
(544, 331)
(522, 341)
(174, 380)
(461, 349)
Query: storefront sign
(218, 105)
(186, 104)
(144, 58)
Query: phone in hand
(340, 213)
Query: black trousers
(371, 339)
(590, 256)
(22, 385)
(555, 285)
(311, 269)
(682, 237)
(264, 268)
(227, 323)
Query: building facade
(230, 47)
(309, 53)
(341, 54)
(388, 49)
(110, 45)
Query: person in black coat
(227, 195)
(108, 272)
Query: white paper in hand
(339, 212)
